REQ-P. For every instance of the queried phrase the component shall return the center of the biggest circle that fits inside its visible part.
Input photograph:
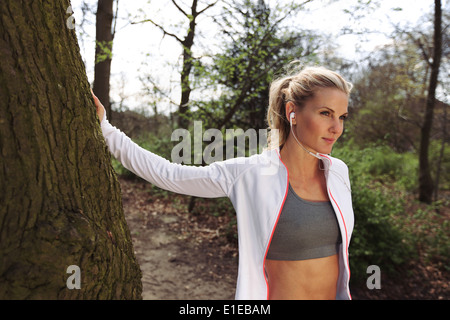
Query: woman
(293, 201)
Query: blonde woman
(293, 201)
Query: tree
(60, 199)
(387, 98)
(393, 94)
(103, 51)
(187, 56)
(426, 184)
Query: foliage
(391, 229)
(376, 239)
(432, 232)
(388, 98)
(378, 177)
(256, 46)
(380, 164)
(104, 51)
(435, 149)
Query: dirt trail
(181, 256)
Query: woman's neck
(300, 164)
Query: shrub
(377, 239)
(378, 176)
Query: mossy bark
(60, 201)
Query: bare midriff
(313, 279)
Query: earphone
(291, 116)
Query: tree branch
(160, 27)
(209, 6)
(116, 15)
(179, 8)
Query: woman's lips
(328, 140)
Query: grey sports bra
(305, 230)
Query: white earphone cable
(292, 131)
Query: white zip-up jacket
(257, 187)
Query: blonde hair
(298, 85)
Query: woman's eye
(328, 113)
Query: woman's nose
(337, 126)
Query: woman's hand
(99, 106)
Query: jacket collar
(274, 156)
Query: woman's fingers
(98, 106)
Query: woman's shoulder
(265, 162)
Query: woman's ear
(290, 111)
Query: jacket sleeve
(210, 181)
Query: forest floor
(192, 257)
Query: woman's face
(321, 120)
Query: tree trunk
(60, 199)
(103, 50)
(187, 44)
(425, 179)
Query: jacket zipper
(346, 239)
(345, 228)
(274, 227)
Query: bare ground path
(181, 256)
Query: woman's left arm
(214, 180)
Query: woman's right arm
(207, 182)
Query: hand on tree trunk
(99, 106)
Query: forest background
(213, 61)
